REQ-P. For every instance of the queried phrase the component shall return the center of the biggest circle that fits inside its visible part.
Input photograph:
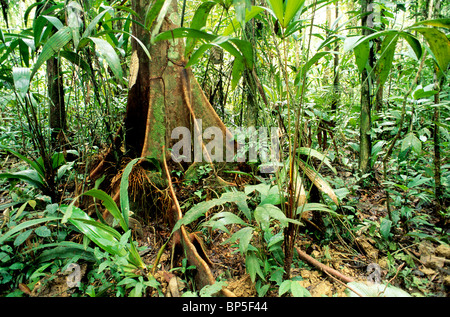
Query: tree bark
(57, 108)
(175, 98)
(139, 85)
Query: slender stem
(397, 136)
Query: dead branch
(323, 267)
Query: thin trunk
(336, 93)
(438, 188)
(365, 118)
(57, 112)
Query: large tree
(163, 95)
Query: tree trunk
(336, 90)
(162, 93)
(57, 111)
(365, 118)
(438, 188)
(139, 85)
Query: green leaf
(263, 214)
(76, 59)
(30, 176)
(253, 267)
(210, 39)
(43, 232)
(201, 208)
(385, 228)
(244, 236)
(198, 22)
(440, 23)
(439, 44)
(384, 63)
(221, 219)
(424, 92)
(362, 55)
(236, 73)
(235, 25)
(304, 70)
(35, 165)
(102, 235)
(93, 24)
(411, 141)
(110, 205)
(52, 46)
(21, 77)
(291, 9)
(22, 237)
(413, 43)
(278, 9)
(210, 290)
(314, 153)
(124, 200)
(273, 197)
(284, 287)
(314, 207)
(240, 8)
(24, 225)
(161, 15)
(298, 290)
(109, 54)
(152, 13)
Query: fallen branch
(323, 267)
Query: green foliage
(36, 175)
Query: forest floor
(428, 262)
(426, 273)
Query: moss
(157, 135)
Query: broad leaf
(109, 54)
(384, 63)
(24, 225)
(94, 23)
(385, 228)
(30, 176)
(53, 46)
(253, 266)
(198, 22)
(201, 208)
(222, 219)
(235, 25)
(244, 236)
(440, 23)
(152, 13)
(439, 44)
(110, 205)
(21, 77)
(411, 141)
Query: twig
(342, 283)
(389, 282)
(323, 267)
